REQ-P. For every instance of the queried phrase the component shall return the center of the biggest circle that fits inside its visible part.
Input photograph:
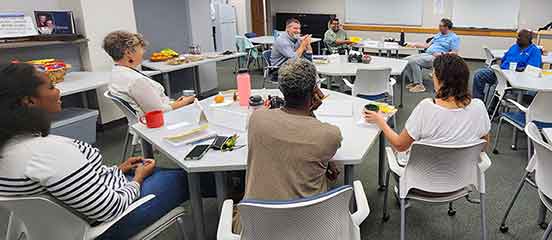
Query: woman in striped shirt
(32, 162)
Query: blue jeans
(482, 78)
(170, 188)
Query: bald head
(524, 38)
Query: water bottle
(243, 80)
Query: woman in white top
(32, 162)
(127, 82)
(451, 118)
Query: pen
(202, 139)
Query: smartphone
(197, 152)
(219, 142)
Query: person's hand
(373, 117)
(317, 97)
(144, 170)
(333, 172)
(306, 42)
(349, 42)
(130, 164)
(437, 54)
(411, 45)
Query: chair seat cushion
(437, 197)
(519, 119)
(372, 97)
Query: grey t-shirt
(284, 48)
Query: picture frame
(55, 22)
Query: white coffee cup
(513, 66)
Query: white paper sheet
(335, 109)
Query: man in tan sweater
(289, 149)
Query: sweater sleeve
(73, 174)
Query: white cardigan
(141, 92)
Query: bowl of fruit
(163, 55)
(55, 69)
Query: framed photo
(55, 22)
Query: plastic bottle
(243, 80)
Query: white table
(523, 81)
(389, 47)
(499, 54)
(269, 40)
(357, 140)
(341, 68)
(165, 68)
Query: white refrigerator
(225, 27)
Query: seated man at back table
(291, 45)
(289, 149)
(336, 38)
(443, 42)
(523, 53)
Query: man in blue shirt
(443, 42)
(290, 44)
(524, 53)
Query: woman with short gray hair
(128, 83)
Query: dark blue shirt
(529, 56)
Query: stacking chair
(250, 34)
(268, 69)
(533, 134)
(243, 44)
(500, 91)
(132, 118)
(490, 59)
(320, 217)
(42, 217)
(538, 112)
(543, 165)
(450, 171)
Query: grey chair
(321, 217)
(132, 118)
(543, 167)
(440, 174)
(42, 217)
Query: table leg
(348, 180)
(197, 205)
(147, 149)
(197, 88)
(221, 188)
(318, 47)
(84, 99)
(381, 163)
(379, 52)
(397, 53)
(401, 80)
(388, 53)
(167, 83)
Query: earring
(130, 61)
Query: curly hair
(117, 43)
(17, 81)
(297, 78)
(453, 75)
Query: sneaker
(410, 85)
(417, 89)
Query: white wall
(243, 15)
(533, 14)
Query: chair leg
(451, 211)
(403, 219)
(483, 216)
(181, 232)
(514, 138)
(495, 145)
(547, 232)
(385, 214)
(496, 108)
(503, 227)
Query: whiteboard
(385, 12)
(494, 14)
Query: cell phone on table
(219, 142)
(197, 152)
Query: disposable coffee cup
(513, 66)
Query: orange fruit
(219, 99)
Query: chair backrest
(543, 157)
(125, 107)
(43, 218)
(250, 34)
(489, 57)
(442, 169)
(266, 57)
(501, 80)
(539, 110)
(320, 217)
(371, 82)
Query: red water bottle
(244, 86)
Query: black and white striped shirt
(69, 170)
